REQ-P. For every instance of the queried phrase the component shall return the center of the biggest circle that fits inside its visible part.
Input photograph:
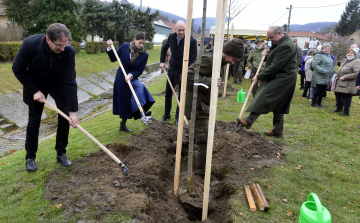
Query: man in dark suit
(45, 64)
(175, 42)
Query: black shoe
(64, 160)
(176, 122)
(336, 110)
(343, 114)
(165, 117)
(301, 88)
(321, 106)
(234, 82)
(148, 113)
(304, 96)
(239, 83)
(124, 128)
(314, 105)
(30, 165)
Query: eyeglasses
(61, 45)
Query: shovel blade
(147, 120)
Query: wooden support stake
(227, 67)
(258, 198)
(263, 198)
(250, 198)
(183, 95)
(217, 57)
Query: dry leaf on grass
(352, 211)
(256, 156)
(40, 214)
(299, 167)
(285, 200)
(278, 155)
(349, 142)
(289, 213)
(251, 168)
(345, 207)
(58, 205)
(241, 214)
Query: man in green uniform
(254, 60)
(232, 51)
(239, 66)
(278, 81)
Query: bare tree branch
(233, 10)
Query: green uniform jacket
(254, 59)
(323, 68)
(203, 100)
(278, 79)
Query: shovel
(145, 119)
(238, 124)
(124, 168)
(177, 100)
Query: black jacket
(39, 69)
(177, 52)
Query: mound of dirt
(97, 184)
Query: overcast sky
(260, 12)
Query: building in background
(162, 31)
(306, 40)
(3, 17)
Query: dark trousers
(319, 94)
(168, 99)
(256, 86)
(278, 121)
(32, 131)
(307, 88)
(200, 138)
(302, 78)
(343, 101)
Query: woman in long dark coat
(133, 58)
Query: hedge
(103, 46)
(149, 45)
(8, 50)
(76, 46)
(92, 47)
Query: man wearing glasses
(45, 64)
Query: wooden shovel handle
(124, 72)
(251, 87)
(85, 132)
(172, 88)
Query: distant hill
(311, 27)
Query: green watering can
(312, 211)
(241, 96)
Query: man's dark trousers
(32, 132)
(168, 98)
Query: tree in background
(350, 19)
(92, 15)
(199, 30)
(119, 21)
(58, 11)
(21, 12)
(162, 17)
(233, 10)
(142, 21)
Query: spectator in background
(254, 60)
(357, 83)
(308, 72)
(239, 66)
(344, 83)
(298, 64)
(323, 71)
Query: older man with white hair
(175, 42)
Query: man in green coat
(232, 51)
(254, 60)
(278, 81)
(239, 66)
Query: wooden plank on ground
(263, 198)
(257, 196)
(250, 198)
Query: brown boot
(270, 133)
(243, 123)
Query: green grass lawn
(325, 145)
(85, 64)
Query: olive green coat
(349, 70)
(254, 59)
(203, 100)
(277, 80)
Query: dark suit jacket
(177, 54)
(39, 69)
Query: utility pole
(140, 5)
(288, 27)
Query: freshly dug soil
(98, 185)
